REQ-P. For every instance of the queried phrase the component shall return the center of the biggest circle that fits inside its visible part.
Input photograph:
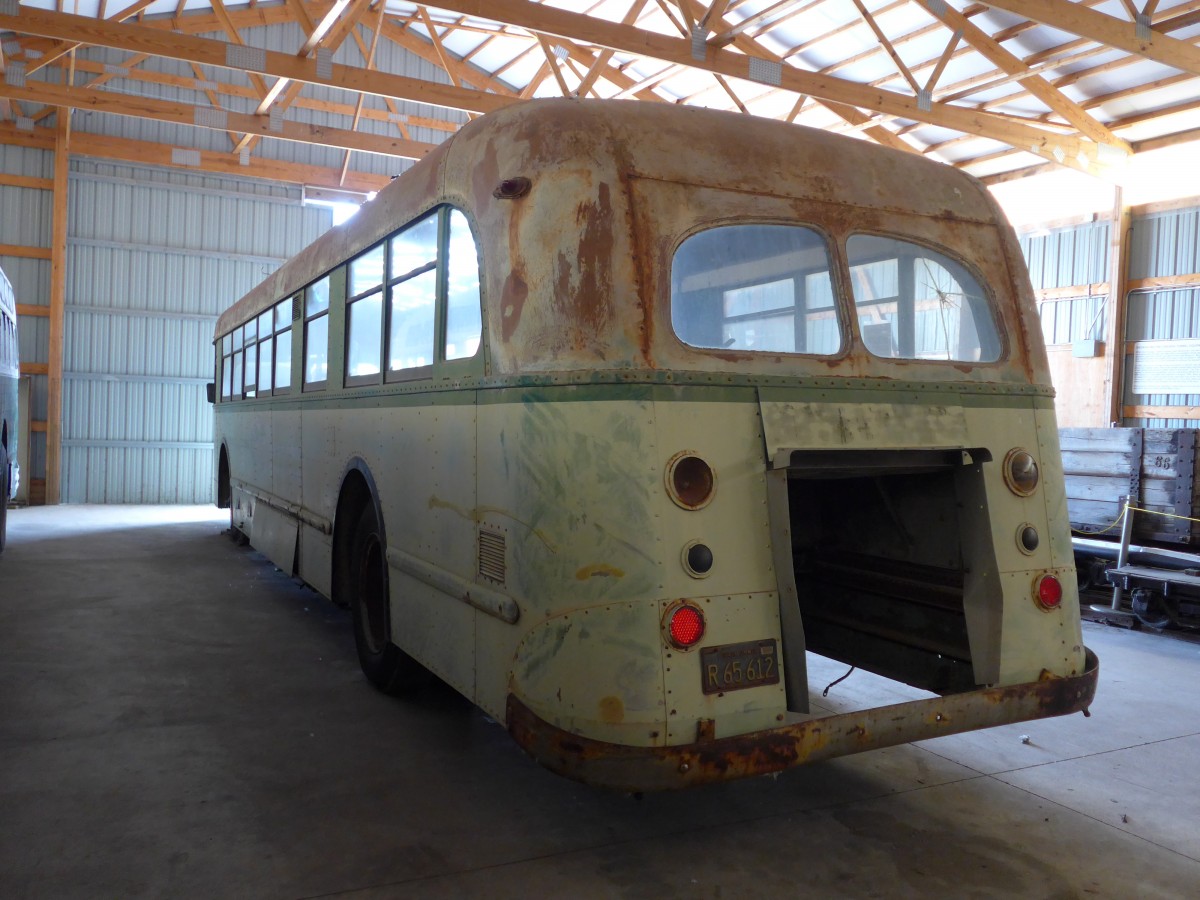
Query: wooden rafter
(183, 114)
(1106, 29)
(1033, 83)
(149, 153)
(737, 40)
(206, 51)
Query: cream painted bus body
(533, 545)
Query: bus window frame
(307, 386)
(992, 302)
(415, 373)
(836, 261)
(288, 327)
(380, 288)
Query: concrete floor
(178, 719)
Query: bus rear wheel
(386, 666)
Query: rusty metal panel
(810, 740)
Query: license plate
(731, 667)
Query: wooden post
(58, 289)
(1118, 280)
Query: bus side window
(226, 366)
(250, 342)
(283, 345)
(265, 346)
(364, 317)
(412, 298)
(316, 334)
(464, 318)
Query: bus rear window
(759, 288)
(916, 303)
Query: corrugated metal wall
(153, 256)
(1164, 244)
(1161, 244)
(25, 220)
(1065, 257)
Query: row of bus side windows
(392, 301)
(391, 294)
(256, 358)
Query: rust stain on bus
(599, 570)
(628, 768)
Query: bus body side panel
(424, 465)
(595, 557)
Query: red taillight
(686, 626)
(1048, 592)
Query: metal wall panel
(25, 215)
(153, 257)
(29, 162)
(1067, 256)
(1165, 244)
(1074, 319)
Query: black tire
(3, 497)
(386, 666)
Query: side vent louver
(297, 307)
(491, 556)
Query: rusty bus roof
(678, 144)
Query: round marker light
(691, 481)
(685, 626)
(1027, 538)
(1047, 591)
(697, 559)
(1020, 472)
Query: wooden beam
(62, 48)
(887, 46)
(32, 368)
(205, 51)
(1063, 149)
(1106, 29)
(206, 117)
(1161, 412)
(30, 309)
(24, 252)
(220, 89)
(846, 112)
(991, 50)
(1118, 273)
(1165, 282)
(150, 154)
(329, 40)
(1053, 295)
(58, 306)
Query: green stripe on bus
(734, 389)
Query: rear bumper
(622, 767)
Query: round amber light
(691, 482)
(1020, 472)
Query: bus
(10, 375)
(609, 414)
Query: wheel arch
(357, 490)
(224, 490)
